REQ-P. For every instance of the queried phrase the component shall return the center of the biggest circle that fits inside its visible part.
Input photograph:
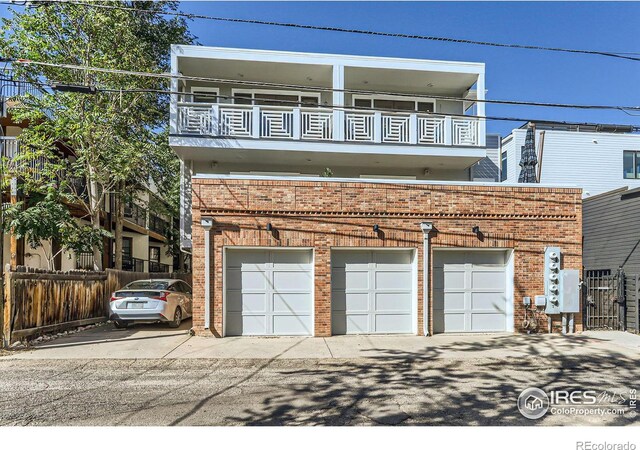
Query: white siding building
(592, 158)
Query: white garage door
(469, 291)
(372, 291)
(269, 292)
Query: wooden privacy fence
(39, 301)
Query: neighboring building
(145, 242)
(611, 258)
(611, 227)
(399, 240)
(596, 158)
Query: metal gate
(604, 300)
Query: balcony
(135, 214)
(158, 225)
(157, 267)
(319, 124)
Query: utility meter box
(552, 261)
(541, 300)
(569, 291)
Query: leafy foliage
(93, 145)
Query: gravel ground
(402, 389)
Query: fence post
(8, 308)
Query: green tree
(47, 219)
(93, 145)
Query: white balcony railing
(318, 124)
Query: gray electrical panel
(569, 291)
(552, 260)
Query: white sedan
(162, 300)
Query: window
(275, 98)
(631, 163)
(127, 245)
(394, 104)
(503, 167)
(154, 254)
(204, 95)
(147, 284)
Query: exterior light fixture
(269, 227)
(475, 230)
(376, 228)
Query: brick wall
(342, 214)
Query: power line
(318, 88)
(291, 103)
(620, 55)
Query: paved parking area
(160, 342)
(156, 376)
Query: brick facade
(326, 214)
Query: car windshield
(147, 284)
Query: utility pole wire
(619, 55)
(317, 88)
(291, 103)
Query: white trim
(244, 54)
(216, 176)
(267, 248)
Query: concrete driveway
(160, 342)
(152, 375)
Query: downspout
(207, 223)
(426, 229)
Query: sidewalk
(157, 342)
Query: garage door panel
(487, 279)
(454, 322)
(454, 279)
(288, 324)
(392, 323)
(253, 303)
(345, 258)
(391, 258)
(357, 281)
(377, 293)
(488, 301)
(357, 323)
(254, 281)
(393, 302)
(454, 301)
(253, 324)
(238, 258)
(291, 257)
(269, 292)
(291, 303)
(470, 291)
(290, 281)
(392, 281)
(488, 322)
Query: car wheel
(121, 324)
(177, 318)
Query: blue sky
(511, 73)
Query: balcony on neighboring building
(240, 108)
